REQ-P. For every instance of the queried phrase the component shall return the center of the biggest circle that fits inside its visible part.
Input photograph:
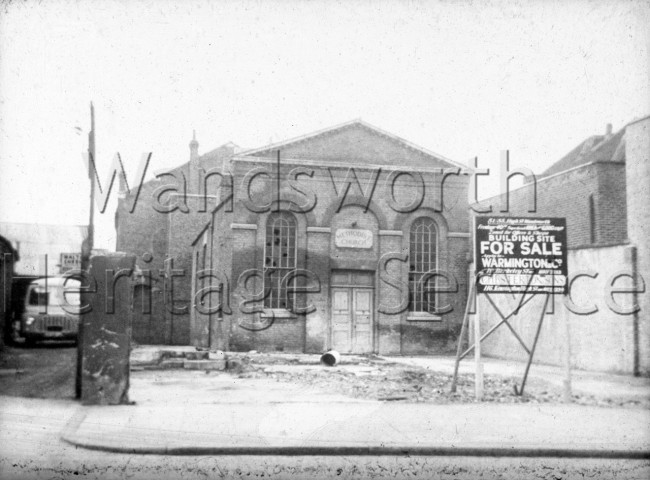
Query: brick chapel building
(348, 238)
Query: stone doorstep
(204, 364)
(173, 354)
(198, 355)
(145, 357)
(171, 363)
(168, 358)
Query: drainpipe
(635, 315)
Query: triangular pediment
(354, 142)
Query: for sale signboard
(520, 254)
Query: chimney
(608, 130)
(193, 180)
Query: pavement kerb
(69, 435)
(441, 451)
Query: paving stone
(171, 363)
(145, 357)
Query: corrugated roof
(32, 241)
(43, 233)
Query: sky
(462, 78)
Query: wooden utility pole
(91, 176)
(87, 246)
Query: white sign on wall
(353, 238)
(70, 261)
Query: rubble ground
(378, 378)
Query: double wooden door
(352, 318)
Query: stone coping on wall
(601, 245)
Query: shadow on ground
(46, 370)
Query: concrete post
(637, 158)
(106, 331)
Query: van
(49, 311)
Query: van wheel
(15, 336)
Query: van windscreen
(39, 296)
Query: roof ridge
(362, 123)
(301, 138)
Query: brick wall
(140, 232)
(611, 204)
(568, 195)
(166, 236)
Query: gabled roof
(271, 149)
(595, 149)
(226, 149)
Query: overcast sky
(461, 78)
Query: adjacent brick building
(587, 186)
(602, 188)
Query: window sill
(277, 313)
(423, 317)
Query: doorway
(351, 324)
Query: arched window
(279, 257)
(423, 246)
